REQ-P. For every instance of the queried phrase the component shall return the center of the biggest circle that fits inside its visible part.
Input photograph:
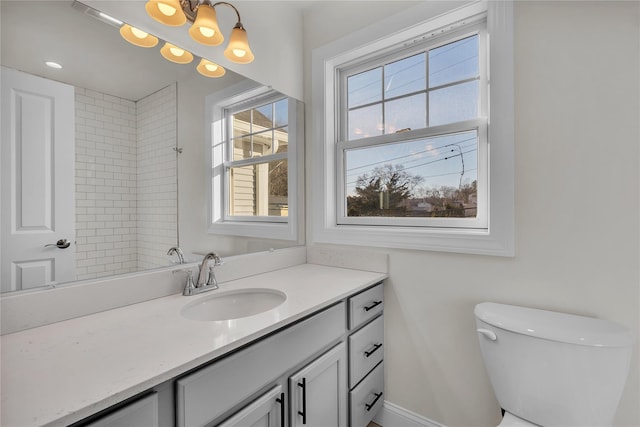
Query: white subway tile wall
(114, 180)
(157, 177)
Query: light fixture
(137, 37)
(176, 54)
(210, 69)
(204, 29)
(167, 12)
(238, 49)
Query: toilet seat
(510, 420)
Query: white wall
(577, 207)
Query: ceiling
(92, 53)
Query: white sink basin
(221, 305)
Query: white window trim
(289, 229)
(498, 238)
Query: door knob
(60, 244)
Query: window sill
(264, 230)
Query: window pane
(262, 118)
(406, 113)
(454, 62)
(259, 190)
(262, 143)
(281, 140)
(431, 177)
(241, 124)
(364, 88)
(453, 103)
(405, 76)
(366, 121)
(242, 148)
(282, 113)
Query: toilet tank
(554, 369)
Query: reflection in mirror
(132, 113)
(104, 178)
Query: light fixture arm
(190, 9)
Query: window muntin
(256, 173)
(430, 97)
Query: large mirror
(135, 174)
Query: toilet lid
(511, 420)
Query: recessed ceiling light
(53, 65)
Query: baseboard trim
(391, 415)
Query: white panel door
(37, 181)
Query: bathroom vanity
(314, 359)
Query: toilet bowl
(553, 369)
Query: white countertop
(63, 372)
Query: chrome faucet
(204, 282)
(177, 250)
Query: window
(256, 174)
(416, 137)
(413, 143)
(255, 181)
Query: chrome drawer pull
(373, 350)
(372, 404)
(372, 306)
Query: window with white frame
(256, 171)
(413, 137)
(406, 125)
(254, 164)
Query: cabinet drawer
(211, 391)
(366, 399)
(365, 350)
(366, 305)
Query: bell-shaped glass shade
(167, 12)
(137, 37)
(238, 50)
(176, 54)
(210, 69)
(205, 28)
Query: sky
(427, 89)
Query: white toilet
(553, 369)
